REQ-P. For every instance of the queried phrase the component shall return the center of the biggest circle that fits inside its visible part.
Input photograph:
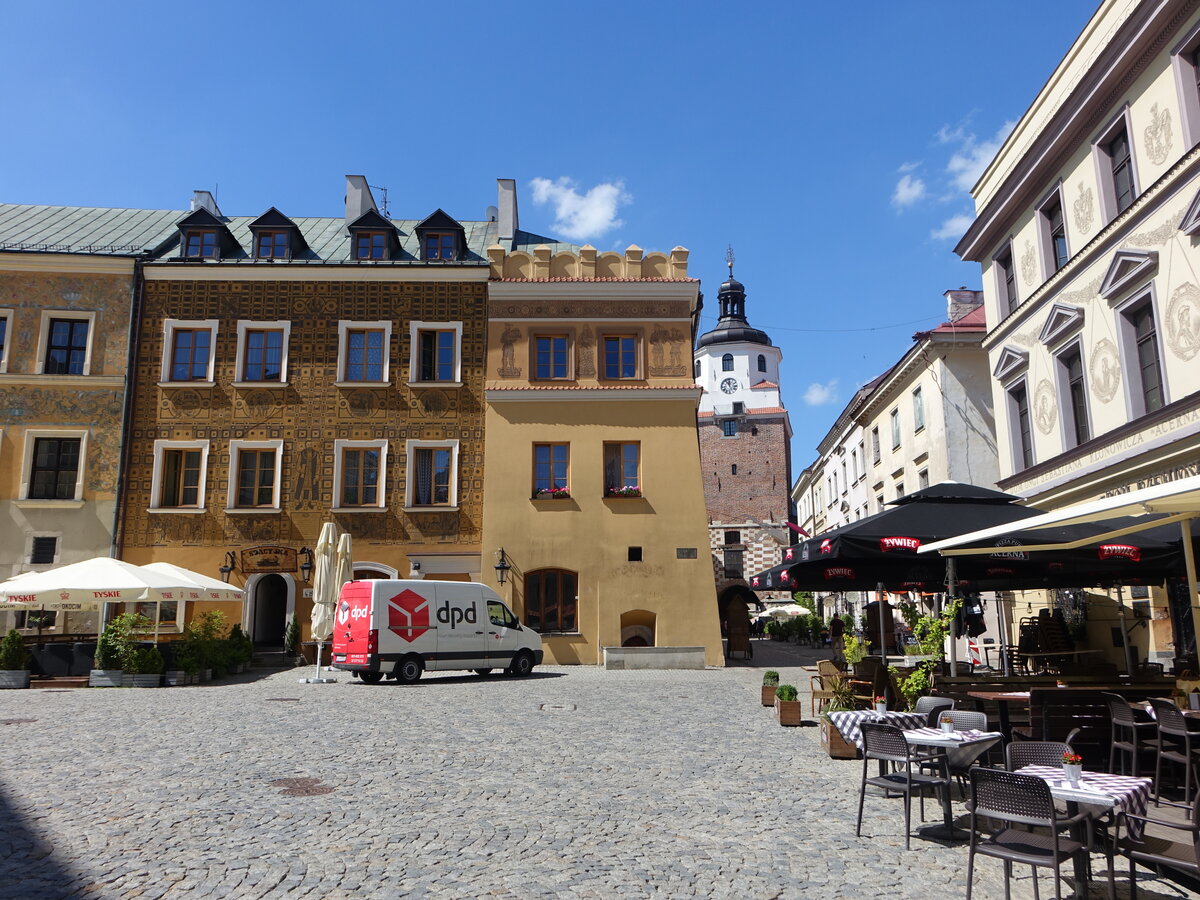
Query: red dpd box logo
(408, 615)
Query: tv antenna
(384, 211)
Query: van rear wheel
(370, 677)
(408, 670)
(522, 664)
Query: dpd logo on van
(408, 615)
(343, 612)
(452, 617)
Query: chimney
(961, 302)
(507, 202)
(204, 200)
(358, 197)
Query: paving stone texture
(655, 784)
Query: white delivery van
(398, 629)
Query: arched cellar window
(551, 602)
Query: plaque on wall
(256, 560)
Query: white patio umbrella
(87, 585)
(202, 587)
(788, 609)
(325, 593)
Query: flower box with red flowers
(630, 491)
(555, 493)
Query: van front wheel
(408, 670)
(521, 665)
(370, 677)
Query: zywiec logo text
(452, 617)
(838, 572)
(1121, 551)
(888, 544)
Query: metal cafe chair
(1129, 735)
(1158, 849)
(963, 719)
(930, 705)
(1020, 754)
(1022, 800)
(887, 745)
(1176, 743)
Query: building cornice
(585, 291)
(332, 272)
(31, 261)
(1124, 58)
(561, 394)
(74, 382)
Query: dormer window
(441, 238)
(437, 245)
(200, 244)
(271, 245)
(371, 245)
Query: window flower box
(623, 491)
(552, 494)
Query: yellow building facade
(594, 512)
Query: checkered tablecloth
(1118, 791)
(963, 746)
(850, 723)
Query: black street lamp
(226, 568)
(502, 568)
(306, 567)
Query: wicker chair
(887, 745)
(1176, 743)
(1127, 733)
(1021, 800)
(821, 685)
(1157, 850)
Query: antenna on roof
(384, 211)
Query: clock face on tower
(729, 385)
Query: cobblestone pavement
(622, 784)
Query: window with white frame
(918, 402)
(431, 475)
(1018, 426)
(262, 352)
(364, 350)
(65, 342)
(255, 475)
(875, 455)
(1006, 279)
(53, 465)
(895, 419)
(435, 353)
(1141, 354)
(1185, 61)
(189, 347)
(360, 475)
(180, 476)
(922, 479)
(5, 337)
(1072, 396)
(1115, 167)
(1052, 233)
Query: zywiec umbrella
(325, 593)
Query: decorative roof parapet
(543, 265)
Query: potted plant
(624, 491)
(291, 638)
(240, 649)
(147, 667)
(930, 633)
(831, 739)
(880, 702)
(855, 649)
(554, 493)
(113, 649)
(770, 682)
(947, 723)
(787, 705)
(14, 661)
(187, 659)
(1072, 764)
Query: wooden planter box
(833, 742)
(787, 711)
(768, 694)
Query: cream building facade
(1085, 229)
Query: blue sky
(831, 145)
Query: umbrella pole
(320, 645)
(1124, 633)
(882, 636)
(950, 591)
(157, 619)
(1002, 622)
(1193, 588)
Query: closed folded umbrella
(324, 590)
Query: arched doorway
(270, 605)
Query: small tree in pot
(114, 650)
(787, 705)
(770, 682)
(147, 667)
(14, 661)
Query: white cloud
(909, 189)
(581, 216)
(820, 394)
(973, 156)
(908, 167)
(954, 227)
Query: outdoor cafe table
(963, 746)
(849, 722)
(1113, 792)
(1002, 699)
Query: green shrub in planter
(786, 692)
(13, 655)
(771, 678)
(291, 640)
(147, 661)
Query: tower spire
(729, 258)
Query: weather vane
(729, 258)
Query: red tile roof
(975, 320)
(764, 384)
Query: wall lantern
(226, 568)
(502, 568)
(306, 567)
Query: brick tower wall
(762, 484)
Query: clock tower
(745, 451)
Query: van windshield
(500, 615)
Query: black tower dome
(732, 326)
